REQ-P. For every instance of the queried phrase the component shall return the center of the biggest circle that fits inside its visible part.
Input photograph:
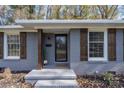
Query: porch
(53, 49)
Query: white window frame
(6, 46)
(105, 48)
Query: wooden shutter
(23, 47)
(1, 44)
(112, 44)
(83, 45)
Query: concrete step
(56, 84)
(51, 74)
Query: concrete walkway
(52, 78)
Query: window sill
(12, 58)
(97, 62)
(97, 59)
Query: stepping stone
(56, 84)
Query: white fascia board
(68, 21)
(16, 30)
(11, 27)
(67, 26)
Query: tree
(83, 12)
(6, 15)
(23, 11)
(62, 12)
(107, 11)
(67, 12)
(31, 11)
(121, 11)
(9, 13)
(54, 12)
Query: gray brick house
(86, 46)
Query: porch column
(40, 49)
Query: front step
(51, 74)
(56, 84)
(52, 78)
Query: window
(12, 45)
(97, 45)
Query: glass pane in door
(61, 48)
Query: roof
(69, 21)
(66, 24)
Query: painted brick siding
(75, 45)
(24, 64)
(81, 67)
(119, 45)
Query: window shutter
(23, 39)
(83, 44)
(112, 44)
(1, 44)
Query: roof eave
(11, 27)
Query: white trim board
(16, 31)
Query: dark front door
(61, 48)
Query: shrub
(108, 77)
(1, 77)
(7, 73)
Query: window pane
(96, 49)
(61, 51)
(96, 44)
(96, 36)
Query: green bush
(1, 77)
(108, 77)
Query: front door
(61, 48)
(55, 49)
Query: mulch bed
(90, 81)
(16, 81)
